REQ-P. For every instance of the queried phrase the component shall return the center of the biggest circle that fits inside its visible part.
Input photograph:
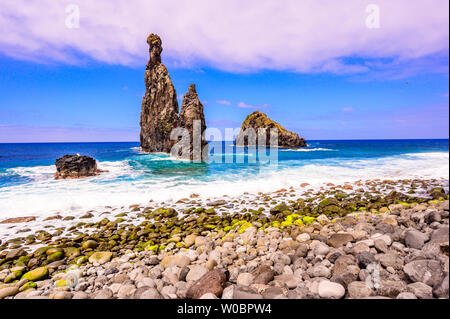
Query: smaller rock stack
(76, 166)
(193, 120)
(259, 121)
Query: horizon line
(355, 139)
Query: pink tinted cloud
(244, 105)
(223, 102)
(233, 35)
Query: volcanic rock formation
(193, 119)
(159, 113)
(258, 120)
(76, 166)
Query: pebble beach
(366, 239)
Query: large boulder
(159, 114)
(429, 272)
(262, 126)
(212, 282)
(75, 166)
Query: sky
(353, 69)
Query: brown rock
(53, 217)
(339, 240)
(359, 290)
(76, 166)
(159, 113)
(240, 292)
(427, 271)
(263, 126)
(212, 282)
(193, 119)
(343, 263)
(391, 288)
(265, 277)
(18, 220)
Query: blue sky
(59, 86)
(67, 103)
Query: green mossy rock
(53, 250)
(100, 257)
(36, 274)
(89, 244)
(328, 202)
(55, 257)
(279, 209)
(41, 251)
(28, 285)
(72, 252)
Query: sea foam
(125, 183)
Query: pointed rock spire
(159, 114)
(193, 119)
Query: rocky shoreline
(371, 239)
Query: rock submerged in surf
(76, 166)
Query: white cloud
(233, 35)
(223, 102)
(246, 106)
(347, 109)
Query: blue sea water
(27, 185)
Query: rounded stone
(331, 290)
(245, 279)
(359, 290)
(196, 272)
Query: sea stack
(258, 120)
(159, 113)
(76, 166)
(193, 119)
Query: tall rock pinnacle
(193, 119)
(159, 114)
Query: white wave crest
(309, 150)
(125, 184)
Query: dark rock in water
(75, 166)
(193, 119)
(159, 113)
(262, 126)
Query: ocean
(27, 186)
